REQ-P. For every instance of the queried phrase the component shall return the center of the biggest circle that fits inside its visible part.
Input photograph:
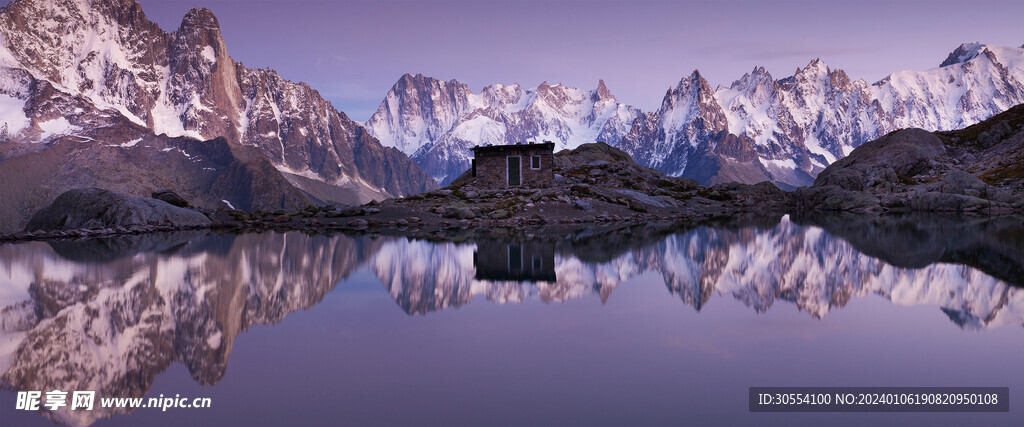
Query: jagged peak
(693, 79)
(409, 80)
(602, 91)
(199, 18)
(759, 76)
(963, 53)
(546, 87)
(816, 66)
(692, 84)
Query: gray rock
(834, 198)
(500, 214)
(460, 213)
(907, 152)
(1000, 195)
(584, 205)
(98, 208)
(959, 182)
(945, 202)
(580, 188)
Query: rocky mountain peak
(408, 80)
(199, 17)
(816, 67)
(693, 87)
(683, 86)
(753, 81)
(963, 53)
(602, 91)
(199, 29)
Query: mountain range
(92, 93)
(756, 129)
(116, 96)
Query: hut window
(535, 162)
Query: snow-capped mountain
(437, 122)
(110, 59)
(758, 128)
(799, 124)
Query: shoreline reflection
(110, 315)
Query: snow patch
(213, 341)
(58, 126)
(12, 114)
(131, 143)
(209, 54)
(782, 164)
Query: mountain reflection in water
(109, 315)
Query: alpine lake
(637, 325)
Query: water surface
(633, 326)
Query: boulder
(834, 198)
(906, 152)
(959, 182)
(945, 202)
(460, 213)
(597, 154)
(170, 197)
(584, 205)
(96, 208)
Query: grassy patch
(1014, 170)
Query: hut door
(515, 170)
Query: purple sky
(354, 51)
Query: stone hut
(518, 165)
